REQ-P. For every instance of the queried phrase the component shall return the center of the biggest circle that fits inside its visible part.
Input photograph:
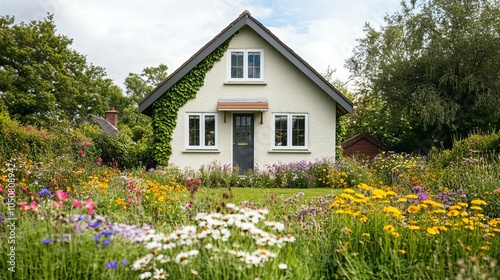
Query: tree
(137, 87)
(434, 65)
(43, 81)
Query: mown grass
(259, 196)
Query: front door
(243, 142)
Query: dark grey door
(243, 142)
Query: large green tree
(137, 87)
(432, 73)
(43, 81)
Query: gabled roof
(356, 138)
(344, 106)
(108, 128)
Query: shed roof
(356, 138)
(344, 106)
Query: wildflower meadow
(398, 216)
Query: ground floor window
(290, 131)
(201, 130)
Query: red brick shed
(363, 144)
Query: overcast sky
(125, 36)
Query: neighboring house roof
(344, 106)
(108, 128)
(356, 138)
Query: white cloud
(125, 36)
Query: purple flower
(106, 242)
(94, 224)
(45, 191)
(1, 218)
(97, 238)
(107, 233)
(124, 262)
(422, 196)
(46, 241)
(112, 265)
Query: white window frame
(245, 65)
(202, 145)
(289, 131)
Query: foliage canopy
(432, 72)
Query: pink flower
(129, 198)
(25, 190)
(58, 204)
(80, 152)
(1, 189)
(77, 203)
(83, 155)
(90, 205)
(34, 206)
(99, 160)
(61, 195)
(24, 207)
(198, 181)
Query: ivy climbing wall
(166, 108)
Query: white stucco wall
(287, 90)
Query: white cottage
(260, 104)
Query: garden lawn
(259, 196)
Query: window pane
(209, 130)
(298, 130)
(254, 65)
(236, 64)
(280, 130)
(194, 130)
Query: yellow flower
(453, 213)
(432, 231)
(411, 196)
(412, 209)
(395, 234)
(349, 191)
(478, 202)
(462, 204)
(414, 227)
(455, 207)
(339, 211)
(366, 235)
(485, 248)
(363, 219)
(389, 228)
(469, 248)
(391, 209)
(402, 199)
(402, 252)
(477, 208)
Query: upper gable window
(246, 65)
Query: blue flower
(96, 238)
(46, 241)
(106, 242)
(94, 225)
(45, 191)
(112, 265)
(124, 262)
(107, 233)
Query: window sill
(290, 151)
(262, 83)
(202, 151)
